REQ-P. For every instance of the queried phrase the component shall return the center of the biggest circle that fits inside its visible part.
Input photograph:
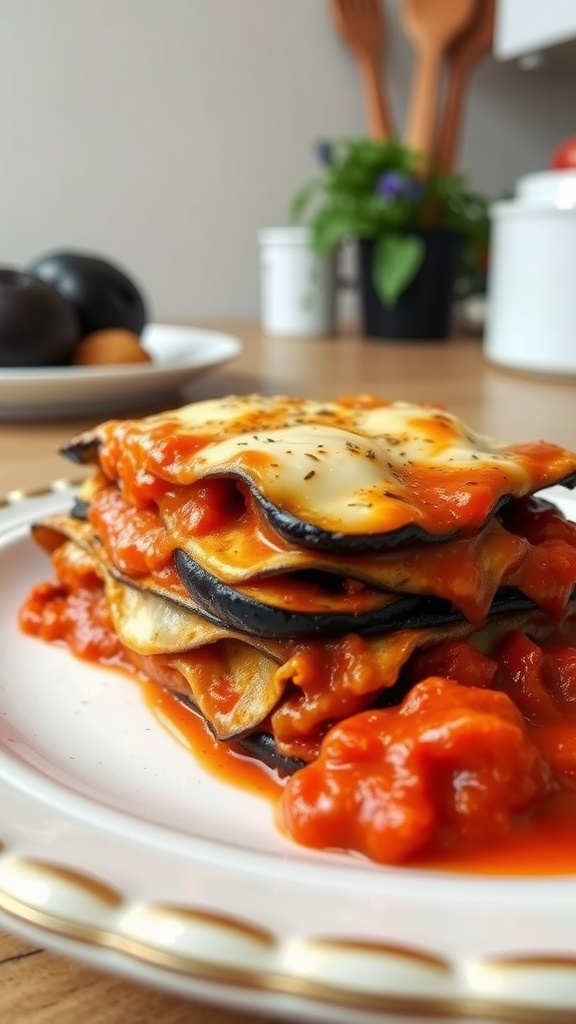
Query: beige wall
(166, 133)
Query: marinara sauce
(474, 769)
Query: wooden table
(38, 987)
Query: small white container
(531, 317)
(297, 287)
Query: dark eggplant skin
(260, 746)
(224, 604)
(307, 535)
(102, 294)
(82, 453)
(37, 326)
(80, 509)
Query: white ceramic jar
(297, 287)
(531, 315)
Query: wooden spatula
(462, 57)
(431, 26)
(361, 24)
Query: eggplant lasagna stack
(278, 563)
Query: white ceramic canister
(297, 286)
(531, 309)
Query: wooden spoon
(466, 51)
(361, 25)
(431, 25)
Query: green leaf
(302, 199)
(331, 227)
(397, 259)
(344, 201)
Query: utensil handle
(377, 108)
(463, 58)
(451, 122)
(421, 120)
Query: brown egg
(115, 345)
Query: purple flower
(323, 151)
(395, 185)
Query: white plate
(178, 355)
(117, 848)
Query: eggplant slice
(341, 477)
(80, 510)
(465, 575)
(241, 682)
(309, 535)
(261, 743)
(82, 451)
(223, 603)
(260, 746)
(228, 605)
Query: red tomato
(564, 156)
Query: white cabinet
(524, 27)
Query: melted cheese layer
(347, 469)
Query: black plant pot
(424, 309)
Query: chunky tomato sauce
(451, 767)
(532, 548)
(475, 769)
(420, 749)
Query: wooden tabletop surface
(40, 987)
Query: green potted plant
(417, 230)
